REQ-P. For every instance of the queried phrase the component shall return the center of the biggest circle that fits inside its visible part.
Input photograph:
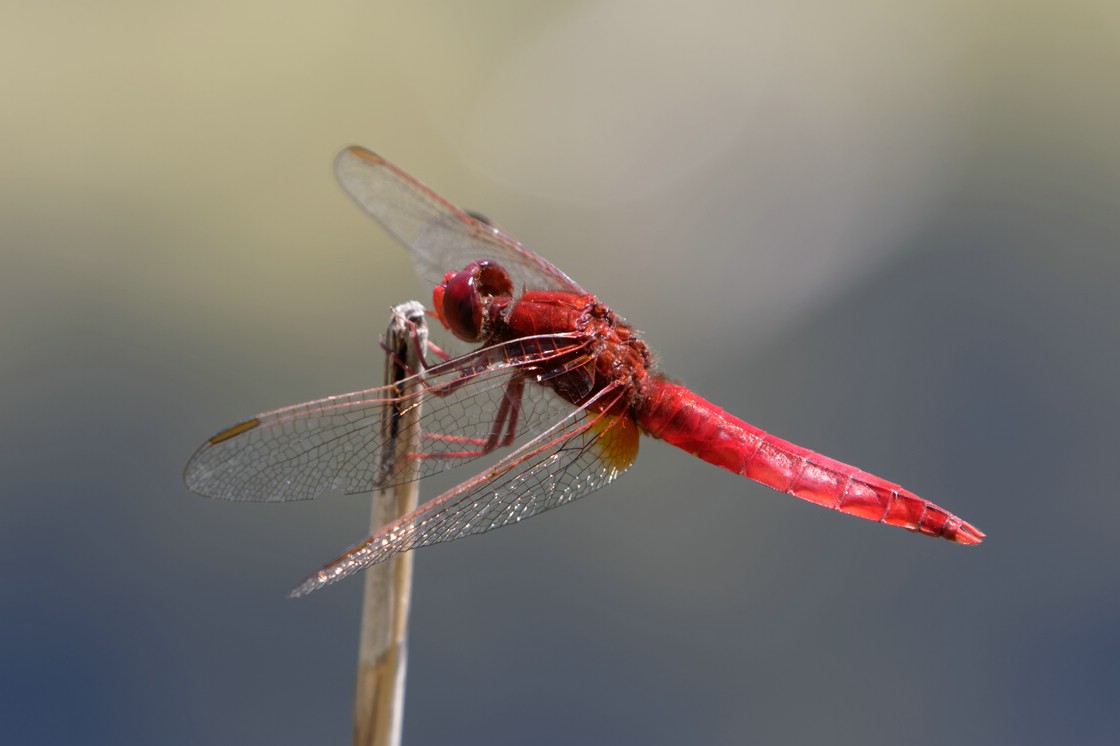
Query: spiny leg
(505, 420)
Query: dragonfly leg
(429, 347)
(502, 432)
(410, 316)
(437, 351)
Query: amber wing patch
(616, 440)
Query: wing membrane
(301, 451)
(440, 236)
(579, 454)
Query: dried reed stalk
(382, 659)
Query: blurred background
(886, 231)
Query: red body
(613, 354)
(678, 416)
(558, 383)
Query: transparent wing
(440, 236)
(576, 456)
(469, 408)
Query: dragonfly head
(469, 301)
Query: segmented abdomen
(678, 416)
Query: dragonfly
(558, 387)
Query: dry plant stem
(382, 660)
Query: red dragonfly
(558, 380)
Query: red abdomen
(675, 414)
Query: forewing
(301, 451)
(578, 455)
(440, 236)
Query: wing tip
(303, 589)
(342, 566)
(364, 154)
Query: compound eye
(464, 298)
(459, 304)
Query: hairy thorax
(610, 352)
